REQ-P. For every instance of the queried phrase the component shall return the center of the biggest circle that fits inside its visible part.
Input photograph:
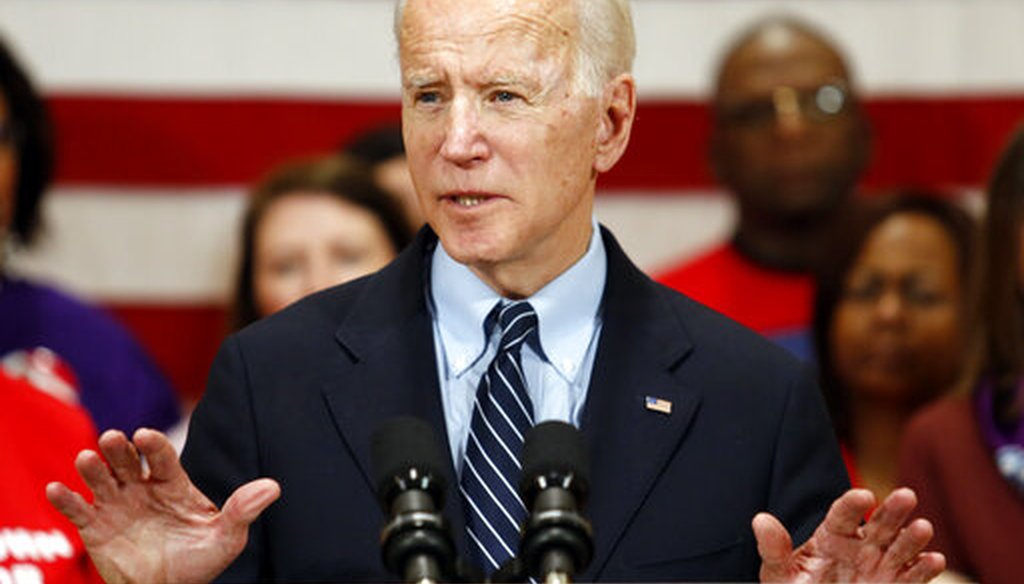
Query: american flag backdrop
(167, 109)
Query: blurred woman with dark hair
(119, 384)
(965, 455)
(891, 323)
(309, 225)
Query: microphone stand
(557, 540)
(417, 535)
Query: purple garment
(120, 385)
(1007, 444)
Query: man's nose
(791, 125)
(790, 119)
(464, 140)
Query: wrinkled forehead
(540, 27)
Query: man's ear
(619, 110)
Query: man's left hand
(885, 549)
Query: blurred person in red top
(789, 141)
(39, 436)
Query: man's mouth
(468, 200)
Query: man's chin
(473, 251)
(810, 201)
(810, 213)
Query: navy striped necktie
(502, 414)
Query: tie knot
(517, 321)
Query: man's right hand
(152, 524)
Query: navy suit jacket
(297, 396)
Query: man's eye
(503, 96)
(749, 115)
(427, 97)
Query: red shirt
(774, 303)
(39, 438)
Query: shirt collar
(567, 309)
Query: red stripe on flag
(182, 340)
(940, 141)
(222, 141)
(208, 141)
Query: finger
(160, 455)
(121, 456)
(910, 542)
(774, 545)
(96, 475)
(248, 501)
(70, 504)
(923, 569)
(847, 512)
(888, 519)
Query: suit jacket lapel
(642, 343)
(389, 337)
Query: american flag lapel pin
(656, 404)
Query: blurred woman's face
(308, 241)
(8, 165)
(898, 331)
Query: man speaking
(512, 308)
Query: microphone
(557, 540)
(416, 543)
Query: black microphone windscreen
(402, 443)
(555, 447)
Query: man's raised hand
(152, 524)
(885, 549)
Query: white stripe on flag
(170, 246)
(327, 47)
(139, 245)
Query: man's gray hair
(606, 47)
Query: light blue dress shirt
(569, 325)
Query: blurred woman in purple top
(119, 384)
